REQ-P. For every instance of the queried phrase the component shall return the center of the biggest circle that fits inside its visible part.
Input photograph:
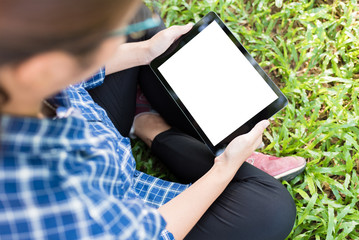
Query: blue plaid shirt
(74, 177)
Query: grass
(310, 49)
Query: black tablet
(216, 83)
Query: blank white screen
(216, 83)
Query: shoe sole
(291, 174)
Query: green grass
(310, 49)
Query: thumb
(178, 31)
(259, 128)
(185, 28)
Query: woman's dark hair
(28, 27)
(31, 27)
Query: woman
(67, 173)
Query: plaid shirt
(74, 177)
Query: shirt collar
(60, 99)
(45, 131)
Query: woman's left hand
(159, 43)
(135, 54)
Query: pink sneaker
(284, 168)
(142, 104)
(142, 107)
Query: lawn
(310, 49)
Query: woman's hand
(184, 211)
(159, 43)
(134, 54)
(242, 147)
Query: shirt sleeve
(166, 235)
(123, 219)
(95, 81)
(64, 212)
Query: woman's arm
(184, 211)
(130, 55)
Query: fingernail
(267, 123)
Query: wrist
(229, 162)
(224, 170)
(146, 56)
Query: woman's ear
(40, 76)
(41, 69)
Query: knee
(283, 215)
(278, 211)
(254, 209)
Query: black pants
(253, 206)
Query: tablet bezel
(266, 113)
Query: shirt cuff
(166, 235)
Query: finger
(258, 129)
(178, 31)
(182, 29)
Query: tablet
(216, 83)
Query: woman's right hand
(242, 147)
(182, 213)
